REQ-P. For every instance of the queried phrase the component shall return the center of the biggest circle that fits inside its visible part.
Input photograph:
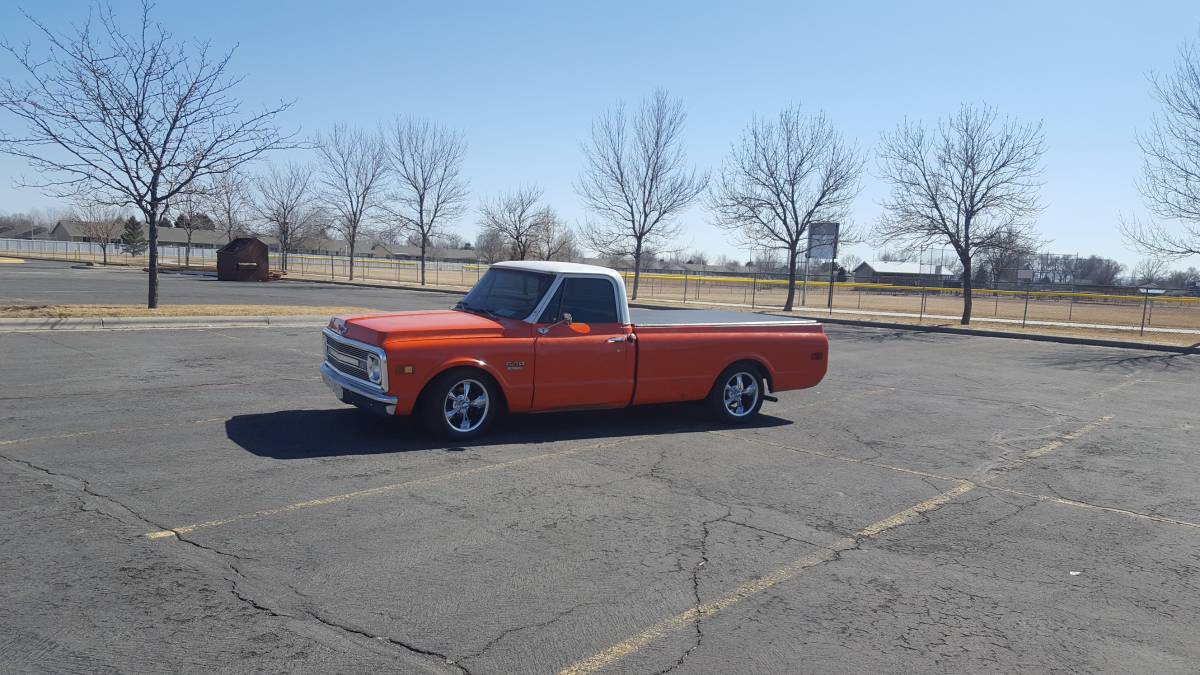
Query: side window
(589, 300)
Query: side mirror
(569, 321)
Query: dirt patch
(103, 311)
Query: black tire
(451, 411)
(746, 406)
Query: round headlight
(374, 369)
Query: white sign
(822, 240)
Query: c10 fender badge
(514, 365)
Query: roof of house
(415, 251)
(886, 267)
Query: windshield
(512, 294)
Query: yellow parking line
(79, 434)
(684, 619)
(1095, 507)
(791, 570)
(1064, 439)
(370, 492)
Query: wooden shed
(243, 259)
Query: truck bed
(654, 318)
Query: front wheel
(460, 405)
(737, 394)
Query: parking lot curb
(366, 284)
(146, 322)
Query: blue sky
(524, 81)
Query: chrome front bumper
(350, 390)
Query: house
(74, 230)
(403, 252)
(902, 273)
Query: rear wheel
(460, 404)
(737, 395)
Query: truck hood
(376, 329)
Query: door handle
(618, 338)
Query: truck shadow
(306, 434)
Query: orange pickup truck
(540, 336)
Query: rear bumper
(349, 390)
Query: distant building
(902, 273)
(403, 252)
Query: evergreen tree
(133, 240)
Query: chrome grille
(346, 358)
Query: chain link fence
(1037, 300)
(936, 299)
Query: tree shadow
(1122, 360)
(339, 432)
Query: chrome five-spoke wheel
(741, 394)
(466, 405)
(738, 393)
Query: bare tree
(451, 240)
(429, 190)
(555, 240)
(518, 218)
(287, 204)
(1149, 272)
(1000, 261)
(967, 184)
(227, 197)
(1170, 182)
(352, 174)
(1096, 270)
(782, 176)
(489, 246)
(190, 219)
(130, 118)
(101, 224)
(637, 181)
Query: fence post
(1145, 305)
(685, 285)
(1026, 314)
(753, 289)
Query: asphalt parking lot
(176, 501)
(45, 282)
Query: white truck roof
(555, 267)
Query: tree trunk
(637, 268)
(104, 253)
(791, 284)
(152, 266)
(187, 252)
(424, 244)
(351, 258)
(966, 287)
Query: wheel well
(756, 364)
(474, 370)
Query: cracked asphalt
(940, 503)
